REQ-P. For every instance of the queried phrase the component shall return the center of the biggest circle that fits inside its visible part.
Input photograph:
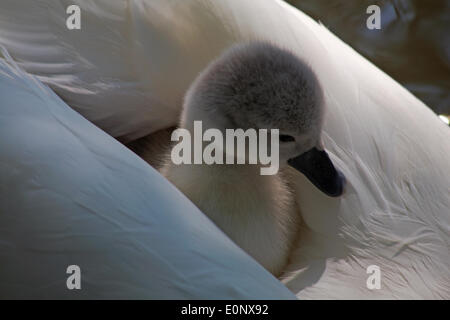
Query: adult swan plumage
(127, 70)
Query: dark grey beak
(318, 168)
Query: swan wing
(72, 195)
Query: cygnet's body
(260, 86)
(257, 212)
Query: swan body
(128, 70)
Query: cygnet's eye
(286, 138)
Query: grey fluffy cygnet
(257, 85)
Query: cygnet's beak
(316, 165)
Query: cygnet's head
(261, 86)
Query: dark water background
(412, 46)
